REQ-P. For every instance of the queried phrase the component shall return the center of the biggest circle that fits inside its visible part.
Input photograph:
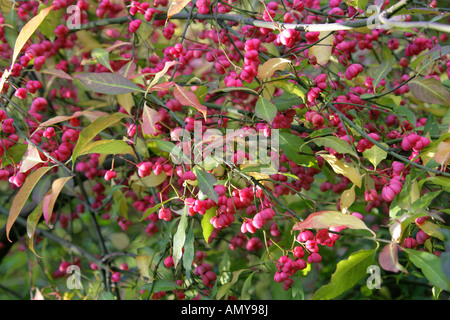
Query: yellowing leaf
(342, 168)
(442, 154)
(30, 159)
(176, 6)
(22, 196)
(375, 154)
(152, 180)
(28, 29)
(322, 50)
(126, 101)
(347, 198)
(161, 73)
(268, 68)
(431, 229)
(264, 179)
(143, 263)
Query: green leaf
(431, 267)
(431, 126)
(406, 112)
(430, 90)
(206, 182)
(188, 256)
(89, 133)
(265, 109)
(108, 83)
(440, 181)
(160, 285)
(297, 289)
(180, 237)
(286, 100)
(386, 66)
(178, 156)
(339, 145)
(120, 205)
(108, 147)
(102, 56)
(10, 32)
(153, 209)
(104, 295)
(375, 154)
(292, 89)
(348, 273)
(359, 4)
(222, 291)
(246, 287)
(291, 145)
(32, 222)
(14, 154)
(207, 227)
(164, 145)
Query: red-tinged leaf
(22, 196)
(149, 119)
(388, 258)
(162, 86)
(176, 6)
(128, 70)
(91, 115)
(188, 98)
(30, 159)
(161, 73)
(430, 90)
(57, 73)
(328, 219)
(49, 200)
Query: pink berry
(110, 174)
(21, 93)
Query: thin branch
(383, 17)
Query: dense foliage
(128, 161)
